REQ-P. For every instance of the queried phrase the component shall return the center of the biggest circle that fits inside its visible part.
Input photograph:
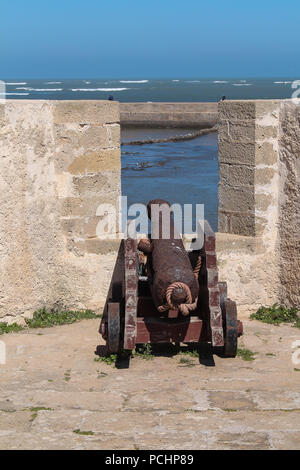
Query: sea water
(173, 89)
(181, 172)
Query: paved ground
(157, 404)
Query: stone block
(237, 110)
(237, 153)
(97, 161)
(106, 183)
(90, 136)
(264, 175)
(237, 223)
(86, 112)
(266, 107)
(265, 154)
(236, 199)
(265, 132)
(236, 175)
(263, 201)
(233, 131)
(114, 134)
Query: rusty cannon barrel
(173, 283)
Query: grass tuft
(108, 359)
(189, 352)
(36, 409)
(246, 354)
(43, 318)
(277, 314)
(144, 351)
(13, 328)
(83, 433)
(186, 362)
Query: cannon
(161, 292)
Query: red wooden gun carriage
(175, 296)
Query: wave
(99, 89)
(52, 83)
(242, 84)
(284, 83)
(134, 81)
(192, 81)
(39, 89)
(87, 83)
(15, 94)
(220, 81)
(175, 80)
(19, 83)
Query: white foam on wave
(87, 83)
(19, 83)
(220, 81)
(99, 89)
(53, 83)
(283, 83)
(39, 89)
(175, 80)
(15, 94)
(242, 84)
(193, 81)
(134, 81)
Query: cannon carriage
(160, 301)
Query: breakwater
(173, 138)
(168, 115)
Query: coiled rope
(188, 306)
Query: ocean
(181, 172)
(175, 89)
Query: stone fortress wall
(259, 201)
(60, 160)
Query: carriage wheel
(231, 325)
(113, 327)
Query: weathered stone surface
(237, 110)
(105, 183)
(237, 153)
(289, 203)
(236, 198)
(86, 112)
(233, 131)
(264, 176)
(44, 205)
(250, 267)
(114, 135)
(266, 154)
(99, 247)
(263, 201)
(86, 136)
(236, 175)
(95, 162)
(241, 223)
(265, 132)
(265, 109)
(213, 403)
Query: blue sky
(149, 39)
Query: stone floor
(51, 386)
